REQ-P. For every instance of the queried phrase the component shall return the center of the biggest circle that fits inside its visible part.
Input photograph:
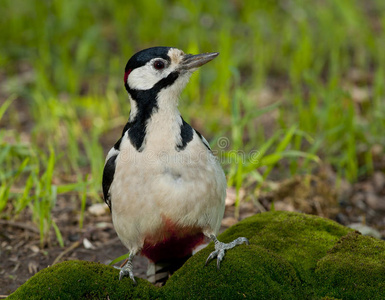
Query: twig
(66, 251)
(125, 261)
(20, 225)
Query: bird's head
(161, 68)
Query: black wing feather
(108, 177)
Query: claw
(221, 254)
(125, 272)
(211, 256)
(220, 249)
(218, 263)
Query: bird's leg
(220, 248)
(126, 268)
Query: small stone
(358, 199)
(74, 237)
(377, 150)
(375, 202)
(281, 205)
(359, 94)
(34, 248)
(365, 230)
(103, 225)
(231, 196)
(98, 209)
(87, 244)
(379, 181)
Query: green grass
(63, 62)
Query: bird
(164, 186)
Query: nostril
(187, 57)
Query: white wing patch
(204, 141)
(111, 153)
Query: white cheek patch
(143, 78)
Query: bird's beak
(191, 62)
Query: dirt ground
(21, 257)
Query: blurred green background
(299, 83)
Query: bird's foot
(220, 248)
(126, 269)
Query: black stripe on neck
(186, 134)
(147, 105)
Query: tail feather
(159, 272)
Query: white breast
(187, 187)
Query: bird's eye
(159, 65)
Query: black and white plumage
(165, 188)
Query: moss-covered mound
(291, 256)
(82, 280)
(353, 269)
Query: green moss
(249, 272)
(82, 280)
(291, 256)
(300, 239)
(353, 269)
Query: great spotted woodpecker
(165, 188)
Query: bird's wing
(108, 175)
(109, 167)
(204, 141)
